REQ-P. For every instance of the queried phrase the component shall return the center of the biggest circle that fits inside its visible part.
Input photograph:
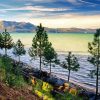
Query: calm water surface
(61, 42)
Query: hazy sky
(53, 13)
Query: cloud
(35, 0)
(86, 2)
(81, 2)
(74, 2)
(71, 20)
(4, 5)
(3, 11)
(36, 8)
(43, 0)
(61, 21)
(53, 13)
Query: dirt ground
(7, 93)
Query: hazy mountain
(71, 30)
(17, 26)
(12, 26)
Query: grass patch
(10, 74)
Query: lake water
(77, 43)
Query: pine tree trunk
(40, 56)
(97, 82)
(6, 51)
(19, 59)
(50, 67)
(40, 63)
(68, 75)
(97, 71)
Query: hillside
(13, 26)
(8, 93)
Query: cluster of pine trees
(42, 48)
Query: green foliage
(14, 80)
(18, 49)
(6, 64)
(94, 50)
(10, 74)
(32, 52)
(39, 43)
(1, 44)
(10, 79)
(40, 87)
(49, 53)
(2, 74)
(5, 41)
(71, 63)
(50, 56)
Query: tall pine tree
(18, 49)
(71, 64)
(50, 56)
(6, 41)
(94, 50)
(39, 43)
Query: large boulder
(56, 81)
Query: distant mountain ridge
(13, 26)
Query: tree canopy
(71, 63)
(38, 44)
(5, 41)
(94, 50)
(50, 55)
(18, 49)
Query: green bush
(19, 81)
(13, 80)
(2, 74)
(11, 74)
(6, 63)
(10, 79)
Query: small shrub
(2, 74)
(19, 81)
(10, 79)
(38, 93)
(13, 80)
(73, 91)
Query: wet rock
(87, 94)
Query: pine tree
(18, 49)
(6, 41)
(50, 56)
(94, 50)
(39, 43)
(71, 64)
(1, 41)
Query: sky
(53, 13)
